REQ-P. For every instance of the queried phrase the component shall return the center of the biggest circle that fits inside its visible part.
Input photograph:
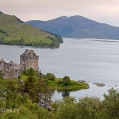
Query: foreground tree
(22, 100)
(65, 108)
(110, 105)
(88, 108)
(37, 89)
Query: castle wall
(32, 63)
(1, 64)
(10, 70)
(27, 60)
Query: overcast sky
(104, 11)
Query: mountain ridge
(14, 31)
(77, 26)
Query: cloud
(99, 10)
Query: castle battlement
(27, 60)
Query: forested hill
(13, 31)
(77, 26)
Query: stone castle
(12, 70)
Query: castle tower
(29, 59)
(1, 64)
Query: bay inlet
(92, 60)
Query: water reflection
(65, 93)
(91, 92)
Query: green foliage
(13, 31)
(1, 75)
(88, 108)
(19, 77)
(1, 81)
(67, 111)
(4, 32)
(22, 99)
(55, 83)
(111, 105)
(50, 76)
(35, 86)
(27, 110)
(66, 80)
(11, 85)
(30, 72)
(29, 99)
(58, 84)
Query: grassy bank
(51, 81)
(57, 84)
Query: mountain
(1, 12)
(13, 31)
(77, 26)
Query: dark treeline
(36, 43)
(31, 99)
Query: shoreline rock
(81, 81)
(100, 84)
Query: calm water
(93, 60)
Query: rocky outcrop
(100, 84)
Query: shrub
(19, 77)
(50, 76)
(66, 80)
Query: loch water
(92, 60)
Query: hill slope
(13, 31)
(77, 26)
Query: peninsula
(14, 31)
(29, 66)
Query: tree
(31, 79)
(1, 75)
(50, 76)
(44, 93)
(66, 80)
(22, 41)
(35, 86)
(110, 105)
(66, 109)
(25, 97)
(88, 108)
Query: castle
(12, 70)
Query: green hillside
(13, 31)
